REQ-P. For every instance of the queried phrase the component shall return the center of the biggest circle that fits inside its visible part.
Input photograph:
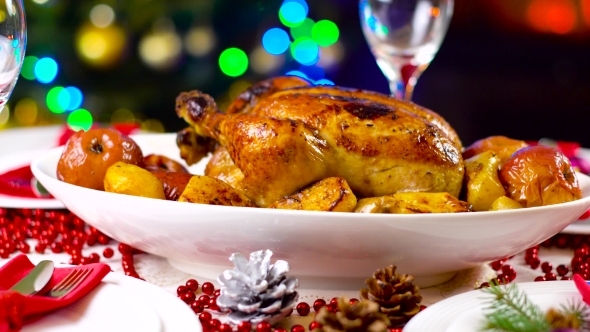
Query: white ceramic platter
(466, 312)
(326, 250)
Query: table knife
(36, 279)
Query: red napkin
(582, 287)
(16, 309)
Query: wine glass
(404, 36)
(13, 41)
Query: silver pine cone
(257, 290)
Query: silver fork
(70, 282)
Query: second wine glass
(13, 41)
(404, 36)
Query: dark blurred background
(518, 68)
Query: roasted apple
(208, 190)
(330, 194)
(482, 186)
(173, 183)
(156, 162)
(540, 175)
(412, 202)
(132, 180)
(502, 146)
(87, 155)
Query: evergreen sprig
(577, 310)
(511, 310)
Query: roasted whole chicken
(283, 134)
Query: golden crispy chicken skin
(248, 99)
(290, 140)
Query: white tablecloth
(157, 271)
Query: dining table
(157, 271)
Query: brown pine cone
(359, 317)
(395, 293)
(561, 320)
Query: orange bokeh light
(435, 11)
(585, 4)
(556, 16)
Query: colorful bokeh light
(325, 33)
(46, 70)
(276, 41)
(305, 51)
(554, 16)
(324, 81)
(293, 12)
(80, 119)
(233, 62)
(28, 68)
(53, 100)
(303, 29)
(313, 72)
(297, 73)
(75, 96)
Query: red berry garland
(57, 231)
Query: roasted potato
(482, 185)
(505, 203)
(416, 202)
(207, 190)
(330, 194)
(122, 178)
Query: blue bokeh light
(324, 81)
(76, 98)
(46, 70)
(313, 72)
(293, 11)
(297, 73)
(303, 4)
(275, 41)
(63, 99)
(306, 51)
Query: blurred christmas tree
(126, 61)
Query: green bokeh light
(28, 69)
(53, 100)
(303, 30)
(382, 30)
(80, 119)
(233, 62)
(325, 33)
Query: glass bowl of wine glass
(404, 36)
(13, 41)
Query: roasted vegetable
(331, 194)
(208, 190)
(482, 185)
(505, 203)
(122, 178)
(418, 202)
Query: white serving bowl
(326, 250)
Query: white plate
(320, 247)
(465, 312)
(122, 303)
(18, 160)
(18, 147)
(26, 139)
